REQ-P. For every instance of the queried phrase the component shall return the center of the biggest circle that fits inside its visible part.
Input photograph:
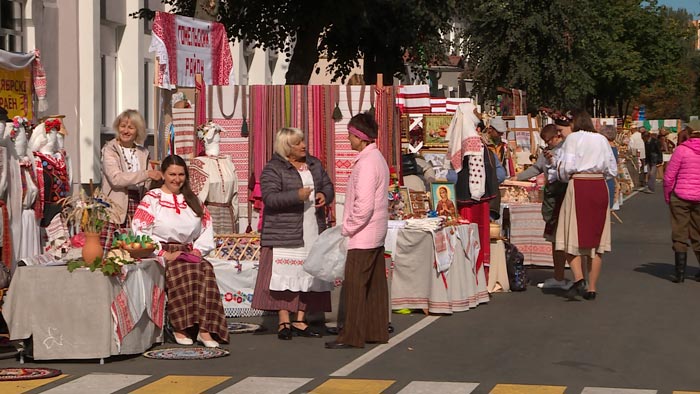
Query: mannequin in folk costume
(476, 173)
(29, 243)
(53, 180)
(214, 180)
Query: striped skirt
(107, 234)
(293, 301)
(193, 296)
(584, 219)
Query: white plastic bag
(326, 259)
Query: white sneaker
(552, 283)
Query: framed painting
(406, 198)
(435, 130)
(444, 199)
(420, 203)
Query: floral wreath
(17, 122)
(205, 128)
(52, 124)
(560, 118)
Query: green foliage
(566, 53)
(109, 266)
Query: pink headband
(357, 133)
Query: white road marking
(376, 352)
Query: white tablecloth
(417, 285)
(69, 316)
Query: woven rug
(186, 353)
(7, 374)
(242, 328)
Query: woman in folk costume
(295, 190)
(125, 171)
(477, 182)
(365, 221)
(585, 161)
(175, 218)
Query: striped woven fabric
(526, 229)
(183, 125)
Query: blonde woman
(125, 171)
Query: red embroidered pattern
(289, 261)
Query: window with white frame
(11, 29)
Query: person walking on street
(682, 194)
(365, 221)
(585, 161)
(654, 158)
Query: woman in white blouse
(585, 161)
(125, 171)
(181, 225)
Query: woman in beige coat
(125, 171)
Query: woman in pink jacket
(682, 193)
(365, 220)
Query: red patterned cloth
(187, 46)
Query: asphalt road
(641, 332)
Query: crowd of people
(578, 162)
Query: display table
(417, 285)
(236, 281)
(85, 315)
(526, 229)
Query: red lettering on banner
(9, 103)
(194, 37)
(194, 66)
(13, 85)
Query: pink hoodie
(682, 175)
(366, 212)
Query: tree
(565, 54)
(380, 32)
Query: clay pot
(92, 248)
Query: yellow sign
(16, 92)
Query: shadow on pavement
(664, 271)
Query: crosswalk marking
(97, 383)
(438, 387)
(259, 385)
(686, 392)
(609, 390)
(527, 389)
(181, 384)
(22, 386)
(352, 386)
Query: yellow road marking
(180, 384)
(22, 386)
(352, 386)
(527, 389)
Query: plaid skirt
(107, 234)
(193, 295)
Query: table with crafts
(526, 230)
(86, 315)
(442, 282)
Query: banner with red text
(16, 92)
(187, 46)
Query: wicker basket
(140, 253)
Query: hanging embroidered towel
(187, 46)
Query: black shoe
(577, 289)
(285, 333)
(332, 330)
(590, 295)
(338, 345)
(307, 332)
(391, 329)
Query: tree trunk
(305, 56)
